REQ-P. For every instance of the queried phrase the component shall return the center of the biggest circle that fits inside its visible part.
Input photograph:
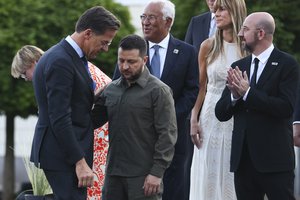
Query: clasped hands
(237, 82)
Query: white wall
(24, 129)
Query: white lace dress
(210, 175)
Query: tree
(42, 23)
(287, 35)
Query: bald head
(257, 32)
(262, 20)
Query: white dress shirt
(162, 51)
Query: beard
(133, 77)
(249, 46)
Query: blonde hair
(238, 11)
(24, 58)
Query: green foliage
(286, 14)
(184, 12)
(44, 23)
(37, 178)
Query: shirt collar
(75, 46)
(212, 15)
(264, 56)
(163, 44)
(141, 81)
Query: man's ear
(145, 58)
(87, 33)
(169, 22)
(261, 34)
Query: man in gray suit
(63, 139)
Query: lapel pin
(274, 63)
(175, 51)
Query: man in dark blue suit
(201, 27)
(262, 151)
(179, 70)
(63, 139)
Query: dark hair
(131, 42)
(98, 19)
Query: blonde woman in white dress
(210, 175)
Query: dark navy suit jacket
(198, 30)
(64, 131)
(181, 74)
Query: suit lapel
(79, 66)
(171, 57)
(246, 65)
(206, 24)
(148, 60)
(270, 67)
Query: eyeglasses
(245, 29)
(105, 43)
(150, 18)
(23, 75)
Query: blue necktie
(84, 60)
(155, 62)
(254, 75)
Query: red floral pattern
(100, 141)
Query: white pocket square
(274, 63)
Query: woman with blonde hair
(24, 62)
(210, 175)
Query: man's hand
(231, 84)
(296, 130)
(237, 82)
(151, 185)
(84, 174)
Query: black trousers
(174, 179)
(188, 164)
(251, 184)
(177, 177)
(65, 185)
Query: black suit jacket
(264, 120)
(180, 73)
(198, 30)
(297, 106)
(64, 131)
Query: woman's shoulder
(206, 44)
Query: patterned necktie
(254, 75)
(155, 62)
(84, 60)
